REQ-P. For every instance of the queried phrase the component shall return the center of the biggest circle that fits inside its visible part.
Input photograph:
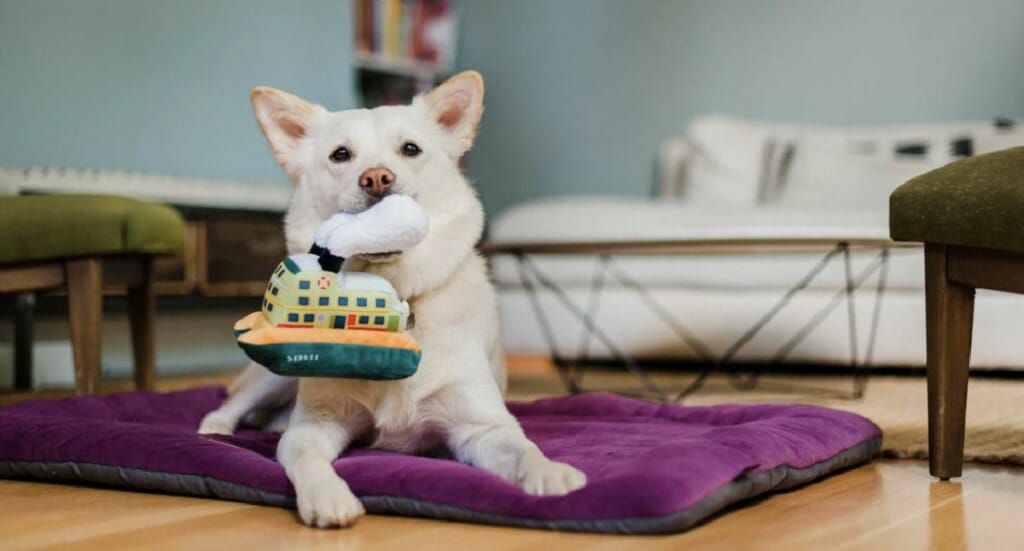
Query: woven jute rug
(995, 408)
(995, 415)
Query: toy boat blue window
(379, 320)
(363, 320)
(269, 285)
(381, 302)
(361, 302)
(304, 284)
(339, 322)
(270, 306)
(273, 291)
(303, 301)
(293, 317)
(342, 301)
(307, 318)
(324, 301)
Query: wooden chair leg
(85, 316)
(950, 317)
(23, 340)
(141, 308)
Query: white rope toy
(395, 224)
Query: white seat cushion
(591, 219)
(625, 219)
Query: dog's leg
(255, 387)
(279, 423)
(485, 434)
(316, 435)
(499, 366)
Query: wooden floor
(885, 505)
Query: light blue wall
(161, 85)
(580, 92)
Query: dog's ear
(284, 119)
(457, 106)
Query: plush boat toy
(320, 321)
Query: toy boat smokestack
(328, 261)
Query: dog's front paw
(328, 503)
(216, 422)
(543, 477)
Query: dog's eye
(341, 155)
(410, 149)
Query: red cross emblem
(323, 283)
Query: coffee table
(533, 280)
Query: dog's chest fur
(410, 415)
(413, 430)
(391, 415)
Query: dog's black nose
(376, 182)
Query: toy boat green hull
(317, 352)
(318, 359)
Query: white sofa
(730, 178)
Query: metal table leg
(571, 369)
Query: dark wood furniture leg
(950, 317)
(85, 316)
(23, 337)
(141, 313)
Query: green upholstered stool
(66, 242)
(970, 216)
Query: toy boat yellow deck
(321, 352)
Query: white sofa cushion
(827, 174)
(996, 139)
(859, 169)
(737, 162)
(726, 159)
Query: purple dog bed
(650, 468)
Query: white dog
(345, 162)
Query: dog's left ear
(457, 106)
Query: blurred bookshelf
(403, 48)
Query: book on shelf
(414, 36)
